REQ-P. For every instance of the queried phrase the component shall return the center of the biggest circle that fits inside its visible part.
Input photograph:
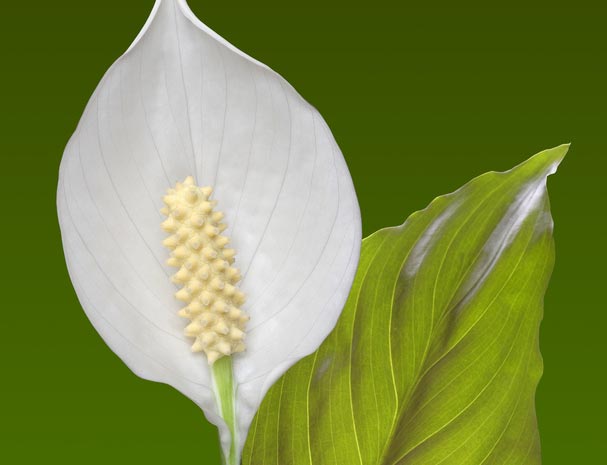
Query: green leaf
(435, 358)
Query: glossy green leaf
(435, 359)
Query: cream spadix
(183, 102)
(207, 278)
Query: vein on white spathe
(182, 101)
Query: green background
(421, 98)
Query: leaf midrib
(400, 409)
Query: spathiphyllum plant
(212, 235)
(209, 222)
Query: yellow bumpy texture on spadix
(207, 278)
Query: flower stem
(224, 385)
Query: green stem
(224, 387)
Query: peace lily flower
(191, 152)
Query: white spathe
(182, 101)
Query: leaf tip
(546, 162)
(562, 149)
(555, 156)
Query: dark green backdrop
(420, 98)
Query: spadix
(208, 279)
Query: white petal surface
(182, 101)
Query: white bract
(183, 102)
